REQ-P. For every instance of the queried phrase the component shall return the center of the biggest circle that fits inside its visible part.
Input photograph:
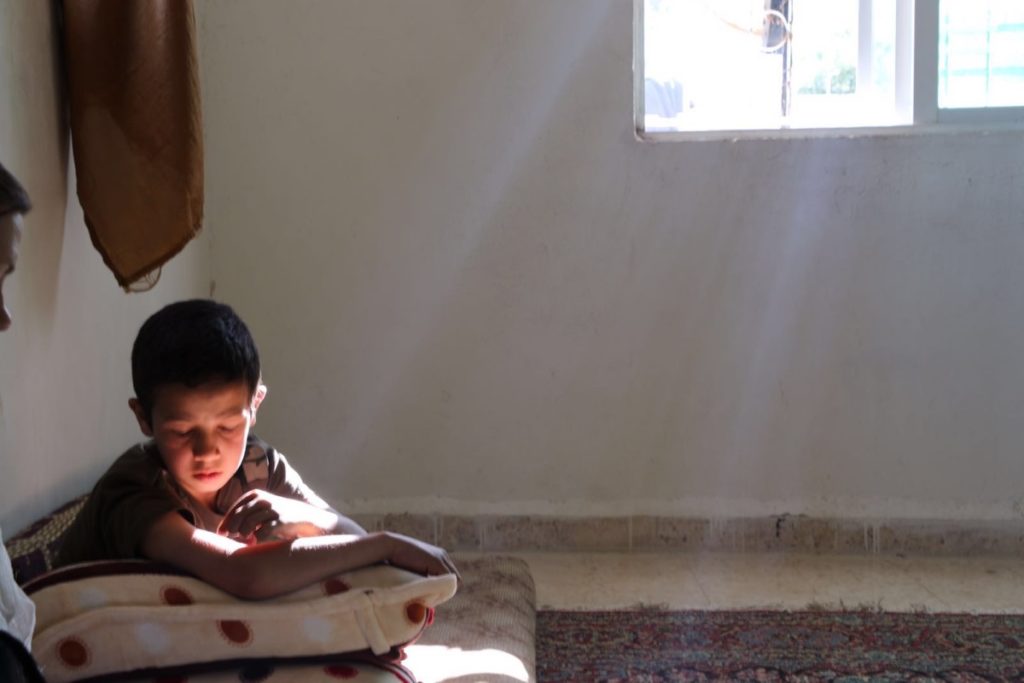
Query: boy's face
(201, 432)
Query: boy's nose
(202, 445)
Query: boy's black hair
(192, 342)
(13, 198)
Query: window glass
(981, 53)
(708, 64)
(764, 64)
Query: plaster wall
(476, 291)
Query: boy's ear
(257, 399)
(140, 415)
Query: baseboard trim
(783, 533)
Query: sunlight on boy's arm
(173, 540)
(261, 570)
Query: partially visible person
(14, 202)
(17, 613)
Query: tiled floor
(734, 581)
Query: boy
(206, 495)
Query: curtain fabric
(136, 128)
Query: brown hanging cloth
(136, 128)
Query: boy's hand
(419, 556)
(259, 516)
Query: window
(733, 65)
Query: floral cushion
(34, 548)
(97, 619)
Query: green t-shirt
(137, 490)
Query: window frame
(917, 88)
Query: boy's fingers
(249, 496)
(276, 531)
(255, 521)
(241, 503)
(240, 511)
(229, 525)
(243, 499)
(246, 522)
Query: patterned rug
(654, 646)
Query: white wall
(475, 290)
(64, 366)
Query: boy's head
(192, 343)
(197, 382)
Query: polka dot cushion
(276, 672)
(102, 618)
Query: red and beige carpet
(654, 646)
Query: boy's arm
(269, 569)
(285, 481)
(265, 516)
